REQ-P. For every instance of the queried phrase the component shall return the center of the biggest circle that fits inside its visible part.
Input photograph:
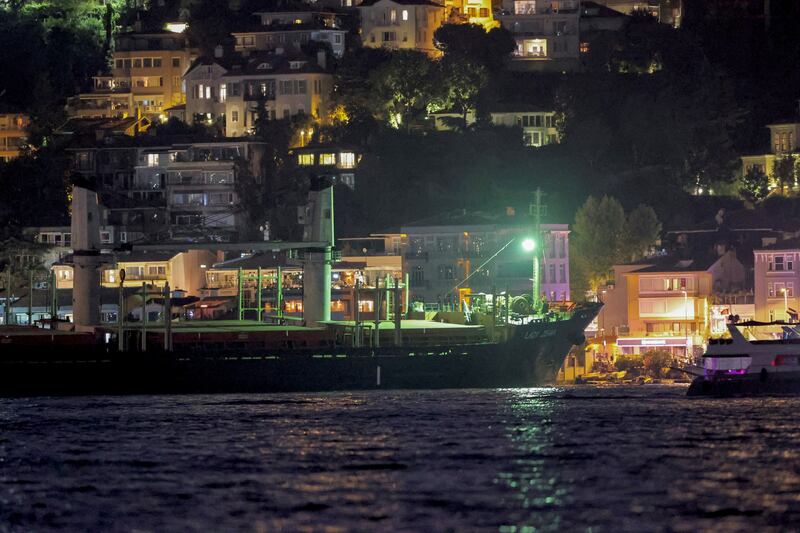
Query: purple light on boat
(737, 371)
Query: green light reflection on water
(531, 477)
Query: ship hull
(532, 357)
(783, 383)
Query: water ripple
(546, 459)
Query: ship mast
(537, 210)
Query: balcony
(416, 256)
(129, 276)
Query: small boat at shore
(746, 365)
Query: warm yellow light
(175, 27)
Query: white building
(401, 24)
(292, 29)
(538, 127)
(547, 33)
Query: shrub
(633, 364)
(656, 363)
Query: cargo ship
(260, 358)
(516, 343)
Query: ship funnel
(86, 256)
(317, 264)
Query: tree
(602, 236)
(598, 233)
(462, 80)
(471, 42)
(784, 172)
(405, 86)
(755, 185)
(642, 229)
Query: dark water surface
(565, 459)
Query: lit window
(223, 92)
(394, 16)
(584, 47)
(327, 159)
(152, 160)
(525, 7)
(405, 14)
(347, 160)
(305, 159)
(235, 116)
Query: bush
(632, 364)
(656, 363)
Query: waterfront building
(145, 78)
(539, 127)
(292, 29)
(452, 256)
(401, 24)
(13, 135)
(666, 302)
(776, 276)
(184, 271)
(547, 33)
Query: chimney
(322, 59)
(219, 51)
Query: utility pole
(121, 313)
(167, 318)
(7, 306)
(537, 210)
(144, 316)
(30, 297)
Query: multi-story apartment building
(401, 24)
(339, 163)
(666, 303)
(13, 135)
(777, 279)
(292, 29)
(472, 11)
(665, 11)
(539, 128)
(784, 141)
(285, 85)
(174, 190)
(145, 78)
(547, 33)
(233, 90)
(444, 260)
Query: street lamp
(785, 302)
(686, 320)
(529, 245)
